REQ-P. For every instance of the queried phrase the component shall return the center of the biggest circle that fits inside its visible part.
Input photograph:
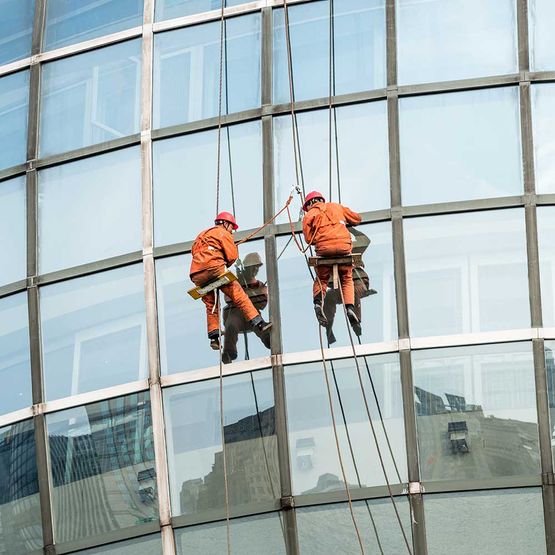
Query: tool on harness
(199, 292)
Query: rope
(330, 96)
(220, 94)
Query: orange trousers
(324, 273)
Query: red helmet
(312, 195)
(226, 217)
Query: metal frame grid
(529, 200)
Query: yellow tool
(199, 292)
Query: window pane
(103, 473)
(441, 41)
(541, 14)
(13, 230)
(71, 22)
(21, 529)
(546, 243)
(90, 98)
(476, 412)
(185, 181)
(88, 208)
(498, 522)
(149, 545)
(359, 42)
(460, 146)
(543, 117)
(195, 444)
(377, 311)
(94, 332)
(550, 370)
(314, 462)
(16, 29)
(14, 105)
(467, 272)
(187, 71)
(15, 364)
(168, 9)
(364, 179)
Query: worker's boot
(214, 337)
(353, 319)
(259, 323)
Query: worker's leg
(347, 285)
(330, 307)
(232, 323)
(240, 299)
(212, 319)
(321, 283)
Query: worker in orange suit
(325, 227)
(213, 251)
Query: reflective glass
(102, 465)
(442, 41)
(90, 98)
(92, 207)
(543, 118)
(93, 332)
(149, 545)
(460, 146)
(14, 105)
(496, 522)
(185, 179)
(377, 311)
(20, 520)
(476, 412)
(363, 178)
(187, 71)
(13, 230)
(71, 21)
(194, 443)
(168, 9)
(550, 370)
(467, 272)
(546, 244)
(15, 363)
(359, 44)
(541, 15)
(16, 29)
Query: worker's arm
(229, 248)
(351, 218)
(308, 231)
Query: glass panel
(14, 105)
(543, 118)
(168, 9)
(15, 363)
(546, 244)
(93, 332)
(16, 29)
(467, 272)
(498, 522)
(195, 443)
(541, 14)
(359, 43)
(378, 312)
(550, 370)
(460, 146)
(149, 545)
(88, 208)
(249, 536)
(90, 98)
(185, 181)
(364, 179)
(476, 412)
(13, 230)
(76, 21)
(187, 71)
(314, 462)
(441, 41)
(103, 472)
(20, 520)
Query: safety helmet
(226, 217)
(252, 259)
(311, 196)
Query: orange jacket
(213, 248)
(325, 227)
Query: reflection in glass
(441, 41)
(168, 9)
(476, 412)
(546, 245)
(16, 29)
(314, 462)
(102, 464)
(92, 207)
(541, 14)
(149, 545)
(90, 98)
(467, 272)
(187, 71)
(543, 118)
(94, 332)
(185, 181)
(550, 371)
(195, 455)
(460, 146)
(20, 520)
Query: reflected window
(359, 44)
(541, 14)
(102, 465)
(185, 179)
(467, 272)
(21, 530)
(187, 71)
(476, 412)
(194, 443)
(90, 98)
(546, 242)
(460, 146)
(16, 29)
(442, 41)
(315, 465)
(149, 545)
(543, 118)
(168, 9)
(94, 332)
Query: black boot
(228, 358)
(259, 323)
(353, 319)
(319, 311)
(214, 337)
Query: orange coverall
(214, 250)
(325, 227)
